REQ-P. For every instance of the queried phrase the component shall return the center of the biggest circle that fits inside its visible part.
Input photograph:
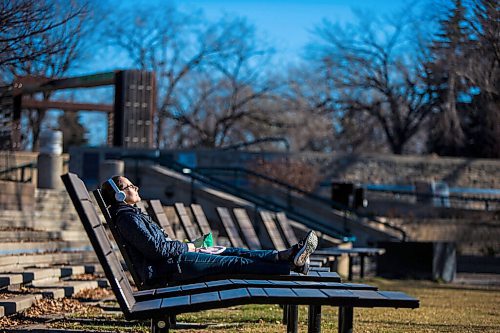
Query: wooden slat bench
(155, 210)
(360, 252)
(158, 305)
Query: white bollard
(50, 161)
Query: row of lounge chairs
(159, 305)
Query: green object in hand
(204, 241)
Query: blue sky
(285, 24)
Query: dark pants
(195, 265)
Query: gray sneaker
(305, 248)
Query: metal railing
(289, 190)
(447, 201)
(21, 173)
(259, 201)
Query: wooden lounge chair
(155, 209)
(272, 230)
(247, 229)
(200, 218)
(191, 230)
(278, 243)
(158, 306)
(359, 252)
(229, 227)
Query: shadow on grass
(452, 327)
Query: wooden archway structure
(130, 117)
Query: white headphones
(120, 196)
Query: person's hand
(191, 247)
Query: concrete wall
(394, 169)
(368, 168)
(17, 196)
(10, 159)
(362, 168)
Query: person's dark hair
(108, 193)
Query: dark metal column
(135, 106)
(292, 325)
(345, 319)
(314, 323)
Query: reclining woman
(161, 259)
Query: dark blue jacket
(153, 254)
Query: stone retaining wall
(393, 169)
(362, 168)
(368, 168)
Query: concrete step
(46, 283)
(9, 214)
(42, 277)
(20, 261)
(93, 269)
(33, 274)
(56, 202)
(44, 224)
(54, 293)
(30, 235)
(72, 270)
(15, 303)
(55, 214)
(7, 280)
(41, 193)
(9, 248)
(71, 287)
(52, 212)
(18, 303)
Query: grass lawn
(443, 308)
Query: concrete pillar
(50, 168)
(343, 261)
(50, 161)
(110, 168)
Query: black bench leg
(362, 266)
(345, 319)
(292, 325)
(160, 325)
(172, 319)
(314, 319)
(351, 263)
(285, 314)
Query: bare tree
(163, 40)
(24, 25)
(464, 66)
(304, 111)
(446, 66)
(205, 78)
(236, 92)
(483, 73)
(373, 68)
(73, 131)
(46, 42)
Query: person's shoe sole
(305, 269)
(310, 245)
